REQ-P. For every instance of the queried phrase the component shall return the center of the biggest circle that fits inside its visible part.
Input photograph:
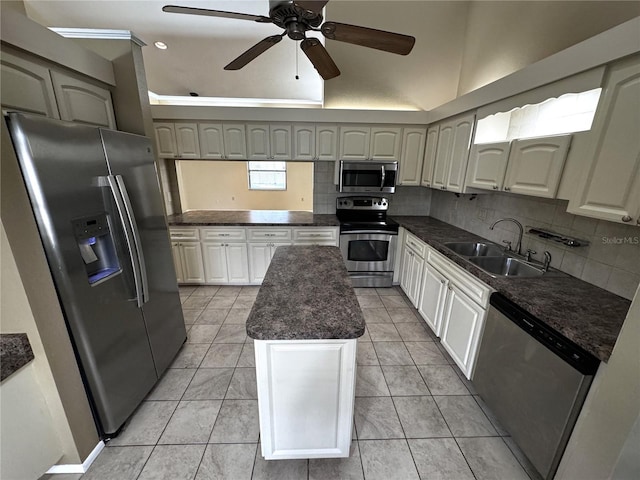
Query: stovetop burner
(364, 213)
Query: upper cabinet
(370, 143)
(82, 102)
(315, 142)
(452, 153)
(179, 140)
(269, 142)
(530, 166)
(411, 159)
(31, 87)
(26, 87)
(430, 155)
(610, 186)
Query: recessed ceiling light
(161, 45)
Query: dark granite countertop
(305, 295)
(256, 218)
(589, 316)
(15, 353)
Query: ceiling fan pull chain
(297, 76)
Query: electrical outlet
(481, 213)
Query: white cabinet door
(259, 259)
(433, 297)
(82, 102)
(237, 262)
(443, 156)
(235, 141)
(386, 143)
(412, 157)
(411, 276)
(192, 262)
(430, 156)
(211, 137)
(354, 142)
(215, 262)
(535, 165)
(462, 131)
(488, 165)
(462, 325)
(326, 142)
(280, 142)
(610, 185)
(187, 140)
(304, 142)
(26, 87)
(177, 261)
(258, 142)
(310, 382)
(166, 140)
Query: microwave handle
(384, 174)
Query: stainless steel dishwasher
(533, 379)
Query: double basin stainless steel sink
(495, 261)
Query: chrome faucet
(547, 261)
(519, 225)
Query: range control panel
(362, 203)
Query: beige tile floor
(416, 416)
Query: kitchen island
(305, 323)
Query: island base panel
(306, 391)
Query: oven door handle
(384, 174)
(373, 232)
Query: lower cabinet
(434, 293)
(412, 266)
(226, 263)
(187, 259)
(260, 255)
(462, 324)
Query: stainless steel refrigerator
(97, 203)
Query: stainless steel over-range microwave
(367, 176)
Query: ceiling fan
(296, 17)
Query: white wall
(505, 36)
(610, 411)
(207, 185)
(31, 441)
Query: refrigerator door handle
(143, 296)
(133, 253)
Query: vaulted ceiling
(455, 41)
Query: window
(267, 175)
(572, 112)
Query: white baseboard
(78, 468)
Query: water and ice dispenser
(97, 247)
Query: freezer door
(130, 160)
(65, 174)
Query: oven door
(365, 251)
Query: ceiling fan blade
(258, 49)
(215, 13)
(314, 6)
(369, 37)
(320, 58)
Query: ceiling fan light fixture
(161, 45)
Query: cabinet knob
(626, 218)
(506, 189)
(495, 187)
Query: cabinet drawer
(270, 234)
(184, 233)
(314, 235)
(475, 289)
(416, 244)
(228, 234)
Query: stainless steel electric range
(367, 240)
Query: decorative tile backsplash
(406, 200)
(611, 261)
